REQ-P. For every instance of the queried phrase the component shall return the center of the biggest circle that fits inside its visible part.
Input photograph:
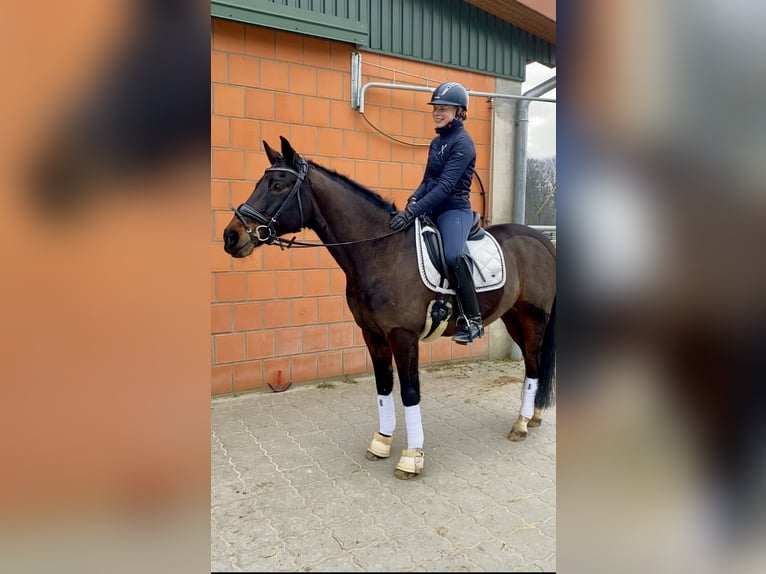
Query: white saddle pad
(488, 264)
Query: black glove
(401, 219)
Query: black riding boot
(469, 323)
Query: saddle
(485, 259)
(484, 256)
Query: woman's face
(443, 114)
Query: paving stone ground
(291, 489)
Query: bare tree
(541, 191)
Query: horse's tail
(547, 377)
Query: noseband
(265, 231)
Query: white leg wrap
(386, 414)
(414, 427)
(528, 392)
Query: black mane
(359, 189)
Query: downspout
(520, 153)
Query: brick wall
(285, 310)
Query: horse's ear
(291, 156)
(271, 153)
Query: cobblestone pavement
(292, 490)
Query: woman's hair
(461, 113)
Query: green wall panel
(449, 32)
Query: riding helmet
(450, 94)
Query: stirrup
(471, 330)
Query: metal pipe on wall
(367, 86)
(520, 149)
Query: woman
(444, 195)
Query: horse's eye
(278, 186)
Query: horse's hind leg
(527, 329)
(380, 354)
(536, 419)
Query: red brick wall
(286, 310)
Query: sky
(542, 115)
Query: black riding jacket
(447, 180)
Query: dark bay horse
(385, 293)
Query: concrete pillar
(500, 206)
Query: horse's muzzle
(231, 243)
(230, 240)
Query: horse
(386, 296)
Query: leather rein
(265, 232)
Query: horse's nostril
(230, 237)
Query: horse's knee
(410, 396)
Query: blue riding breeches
(454, 226)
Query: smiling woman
(444, 195)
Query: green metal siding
(454, 33)
(448, 32)
(331, 19)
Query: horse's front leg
(405, 349)
(380, 354)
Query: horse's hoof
(379, 448)
(517, 436)
(410, 464)
(402, 475)
(534, 422)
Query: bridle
(265, 232)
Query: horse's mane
(357, 188)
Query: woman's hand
(401, 219)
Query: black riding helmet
(450, 94)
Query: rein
(287, 244)
(265, 231)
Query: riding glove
(401, 219)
